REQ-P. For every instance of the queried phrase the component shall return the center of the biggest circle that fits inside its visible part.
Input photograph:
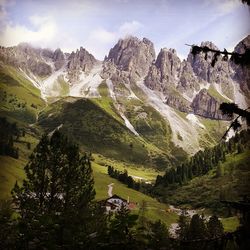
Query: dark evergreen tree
(54, 199)
(121, 227)
(158, 236)
(8, 227)
(197, 228)
(214, 227)
(240, 148)
(183, 226)
(219, 170)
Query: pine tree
(240, 148)
(159, 237)
(54, 199)
(8, 229)
(197, 228)
(183, 224)
(219, 170)
(120, 228)
(142, 224)
(214, 227)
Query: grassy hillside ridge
(98, 131)
(155, 209)
(135, 170)
(106, 102)
(208, 190)
(93, 128)
(214, 93)
(20, 101)
(12, 170)
(152, 128)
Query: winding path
(110, 189)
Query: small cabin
(114, 203)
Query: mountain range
(134, 105)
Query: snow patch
(219, 90)
(57, 128)
(132, 94)
(191, 97)
(195, 120)
(112, 95)
(239, 98)
(204, 86)
(183, 133)
(48, 87)
(88, 84)
(111, 89)
(128, 124)
(230, 134)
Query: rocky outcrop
(131, 59)
(133, 55)
(165, 76)
(178, 102)
(165, 71)
(242, 72)
(58, 58)
(201, 64)
(79, 61)
(188, 83)
(110, 71)
(207, 106)
(27, 58)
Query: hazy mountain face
(185, 94)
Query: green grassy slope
(151, 126)
(213, 92)
(135, 170)
(20, 101)
(11, 170)
(206, 191)
(88, 122)
(155, 209)
(94, 129)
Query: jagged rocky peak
(201, 64)
(242, 72)
(58, 58)
(169, 63)
(165, 71)
(207, 106)
(133, 55)
(242, 45)
(47, 53)
(79, 61)
(26, 57)
(188, 82)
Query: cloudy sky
(98, 24)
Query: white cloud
(129, 28)
(100, 40)
(3, 12)
(102, 35)
(44, 32)
(38, 21)
(223, 6)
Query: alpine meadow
(125, 124)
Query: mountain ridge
(184, 93)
